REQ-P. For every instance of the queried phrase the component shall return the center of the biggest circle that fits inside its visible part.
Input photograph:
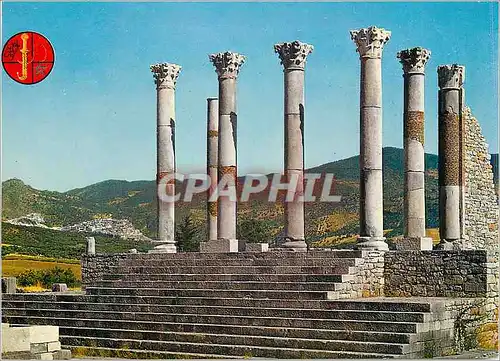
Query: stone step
(12, 315)
(245, 340)
(203, 348)
(32, 309)
(333, 270)
(281, 294)
(243, 262)
(229, 277)
(243, 255)
(359, 304)
(287, 332)
(104, 352)
(223, 285)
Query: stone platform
(32, 343)
(240, 305)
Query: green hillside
(38, 241)
(136, 200)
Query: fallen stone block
(257, 247)
(53, 346)
(39, 347)
(43, 347)
(59, 287)
(220, 246)
(40, 334)
(15, 339)
(44, 356)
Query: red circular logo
(28, 57)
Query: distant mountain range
(136, 200)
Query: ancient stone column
(212, 154)
(450, 81)
(414, 61)
(227, 66)
(165, 76)
(370, 43)
(293, 58)
(90, 245)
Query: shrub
(254, 231)
(28, 278)
(46, 278)
(186, 236)
(6, 250)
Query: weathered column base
(414, 244)
(377, 243)
(296, 245)
(222, 246)
(164, 248)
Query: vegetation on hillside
(255, 231)
(51, 243)
(136, 201)
(46, 278)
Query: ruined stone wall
(492, 284)
(365, 279)
(480, 228)
(436, 273)
(94, 266)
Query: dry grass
(13, 265)
(14, 256)
(487, 336)
(35, 288)
(433, 233)
(334, 222)
(39, 288)
(335, 240)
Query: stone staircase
(271, 305)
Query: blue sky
(93, 118)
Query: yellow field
(433, 233)
(346, 239)
(15, 264)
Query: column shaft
(227, 66)
(450, 153)
(370, 43)
(165, 76)
(414, 186)
(227, 158)
(294, 154)
(293, 57)
(166, 162)
(414, 61)
(212, 161)
(371, 195)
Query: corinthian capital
(293, 55)
(165, 75)
(414, 59)
(227, 64)
(370, 41)
(451, 76)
